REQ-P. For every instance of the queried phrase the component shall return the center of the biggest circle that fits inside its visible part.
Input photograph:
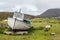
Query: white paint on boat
(17, 24)
(11, 22)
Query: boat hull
(17, 24)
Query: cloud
(25, 7)
(29, 5)
(46, 4)
(40, 4)
(2, 3)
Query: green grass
(38, 32)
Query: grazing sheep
(48, 27)
(52, 34)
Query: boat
(17, 22)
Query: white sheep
(47, 27)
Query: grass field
(38, 33)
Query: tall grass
(37, 33)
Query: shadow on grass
(32, 30)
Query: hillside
(51, 13)
(5, 15)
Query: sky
(33, 7)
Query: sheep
(48, 27)
(52, 34)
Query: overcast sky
(34, 7)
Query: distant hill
(5, 15)
(51, 13)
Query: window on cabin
(18, 15)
